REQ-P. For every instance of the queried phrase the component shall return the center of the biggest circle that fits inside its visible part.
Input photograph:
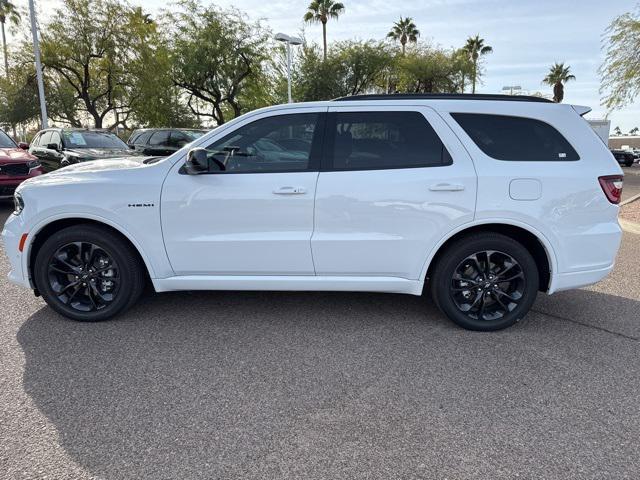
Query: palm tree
(558, 75)
(404, 31)
(8, 11)
(475, 48)
(320, 11)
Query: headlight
(18, 203)
(33, 164)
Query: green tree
(476, 49)
(634, 131)
(617, 131)
(558, 75)
(8, 12)
(93, 56)
(620, 71)
(429, 70)
(351, 68)
(220, 60)
(320, 11)
(18, 98)
(404, 31)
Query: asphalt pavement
(322, 386)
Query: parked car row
(53, 148)
(626, 158)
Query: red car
(16, 165)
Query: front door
(252, 212)
(395, 182)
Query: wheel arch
(533, 240)
(43, 230)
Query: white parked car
(485, 199)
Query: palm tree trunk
(462, 88)
(558, 92)
(475, 69)
(324, 39)
(403, 47)
(6, 55)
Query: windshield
(93, 140)
(5, 141)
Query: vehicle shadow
(311, 385)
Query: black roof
(445, 96)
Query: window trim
(330, 138)
(451, 114)
(316, 153)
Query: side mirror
(197, 161)
(23, 145)
(53, 146)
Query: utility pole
(36, 54)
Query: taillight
(612, 187)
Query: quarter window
(381, 140)
(515, 138)
(281, 143)
(45, 139)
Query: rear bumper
(568, 281)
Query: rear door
(394, 182)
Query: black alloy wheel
(84, 276)
(88, 272)
(485, 281)
(487, 285)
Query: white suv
(487, 199)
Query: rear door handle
(290, 191)
(446, 187)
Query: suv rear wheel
(88, 273)
(485, 282)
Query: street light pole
(282, 37)
(289, 71)
(36, 54)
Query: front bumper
(11, 234)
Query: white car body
(362, 230)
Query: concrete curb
(629, 200)
(630, 227)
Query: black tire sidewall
(447, 264)
(113, 245)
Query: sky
(527, 36)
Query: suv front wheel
(485, 282)
(88, 273)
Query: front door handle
(290, 191)
(446, 187)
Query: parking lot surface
(322, 386)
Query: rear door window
(160, 138)
(511, 138)
(383, 140)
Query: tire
(88, 273)
(461, 283)
(628, 163)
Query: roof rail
(445, 96)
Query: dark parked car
(16, 165)
(58, 147)
(162, 141)
(624, 157)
